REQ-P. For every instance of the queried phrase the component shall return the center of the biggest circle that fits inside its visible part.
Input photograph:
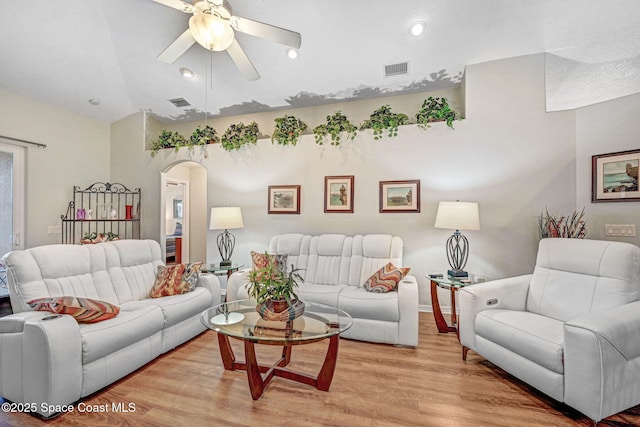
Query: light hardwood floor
(374, 385)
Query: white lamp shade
(458, 216)
(211, 31)
(226, 218)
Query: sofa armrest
(508, 294)
(41, 360)
(212, 283)
(602, 361)
(236, 282)
(408, 300)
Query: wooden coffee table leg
(256, 383)
(226, 352)
(329, 366)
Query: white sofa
(49, 361)
(571, 329)
(335, 267)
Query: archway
(183, 221)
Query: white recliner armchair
(571, 329)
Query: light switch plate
(620, 230)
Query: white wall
(606, 128)
(509, 155)
(77, 153)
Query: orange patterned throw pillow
(386, 279)
(175, 279)
(84, 310)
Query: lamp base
(457, 273)
(226, 263)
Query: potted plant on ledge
(436, 110)
(273, 288)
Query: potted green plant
(274, 285)
(167, 139)
(336, 125)
(202, 137)
(382, 120)
(288, 130)
(238, 135)
(436, 110)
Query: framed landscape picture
(615, 177)
(338, 194)
(284, 199)
(400, 196)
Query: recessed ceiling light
(417, 28)
(293, 53)
(94, 101)
(186, 73)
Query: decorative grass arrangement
(573, 226)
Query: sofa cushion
(129, 327)
(386, 279)
(530, 335)
(261, 260)
(176, 308)
(360, 303)
(323, 294)
(594, 275)
(84, 310)
(175, 279)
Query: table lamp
(226, 218)
(457, 216)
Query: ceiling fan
(212, 26)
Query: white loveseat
(571, 329)
(49, 361)
(335, 267)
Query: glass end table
(241, 321)
(452, 284)
(221, 270)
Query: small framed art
(400, 196)
(614, 177)
(338, 194)
(284, 199)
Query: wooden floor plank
(374, 385)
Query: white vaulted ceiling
(66, 52)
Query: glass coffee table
(241, 321)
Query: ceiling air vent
(395, 69)
(180, 102)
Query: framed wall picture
(614, 177)
(400, 196)
(338, 194)
(284, 199)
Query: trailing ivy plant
(383, 120)
(335, 126)
(167, 139)
(436, 110)
(238, 135)
(202, 137)
(288, 130)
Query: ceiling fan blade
(242, 61)
(177, 48)
(266, 31)
(177, 4)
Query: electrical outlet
(55, 229)
(620, 230)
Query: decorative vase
(129, 212)
(267, 310)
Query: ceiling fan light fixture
(211, 31)
(417, 28)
